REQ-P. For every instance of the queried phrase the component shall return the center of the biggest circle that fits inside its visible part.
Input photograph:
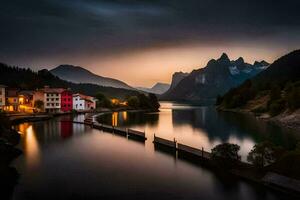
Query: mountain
(177, 77)
(283, 70)
(158, 88)
(29, 80)
(205, 84)
(77, 74)
(273, 93)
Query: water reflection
(73, 161)
(114, 118)
(30, 144)
(203, 127)
(126, 119)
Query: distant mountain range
(29, 80)
(205, 84)
(78, 74)
(158, 88)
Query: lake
(71, 161)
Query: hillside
(28, 79)
(78, 74)
(158, 88)
(273, 93)
(203, 85)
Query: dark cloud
(36, 28)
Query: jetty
(194, 151)
(90, 121)
(137, 134)
(181, 148)
(165, 142)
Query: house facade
(83, 102)
(11, 100)
(66, 101)
(52, 99)
(2, 96)
(25, 98)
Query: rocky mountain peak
(240, 61)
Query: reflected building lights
(114, 119)
(31, 147)
(124, 115)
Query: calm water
(71, 161)
(203, 127)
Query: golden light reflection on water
(114, 119)
(31, 146)
(187, 124)
(124, 115)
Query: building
(52, 99)
(83, 102)
(25, 98)
(2, 96)
(66, 101)
(11, 100)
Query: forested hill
(273, 91)
(28, 79)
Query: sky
(143, 42)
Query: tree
(144, 101)
(39, 104)
(103, 101)
(154, 101)
(264, 154)
(133, 101)
(226, 153)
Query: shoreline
(9, 175)
(17, 118)
(282, 120)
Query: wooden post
(202, 152)
(174, 143)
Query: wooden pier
(121, 131)
(164, 142)
(137, 134)
(194, 151)
(171, 144)
(181, 148)
(114, 129)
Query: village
(47, 99)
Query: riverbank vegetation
(8, 139)
(140, 101)
(264, 157)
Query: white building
(83, 102)
(52, 99)
(2, 96)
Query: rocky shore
(8, 175)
